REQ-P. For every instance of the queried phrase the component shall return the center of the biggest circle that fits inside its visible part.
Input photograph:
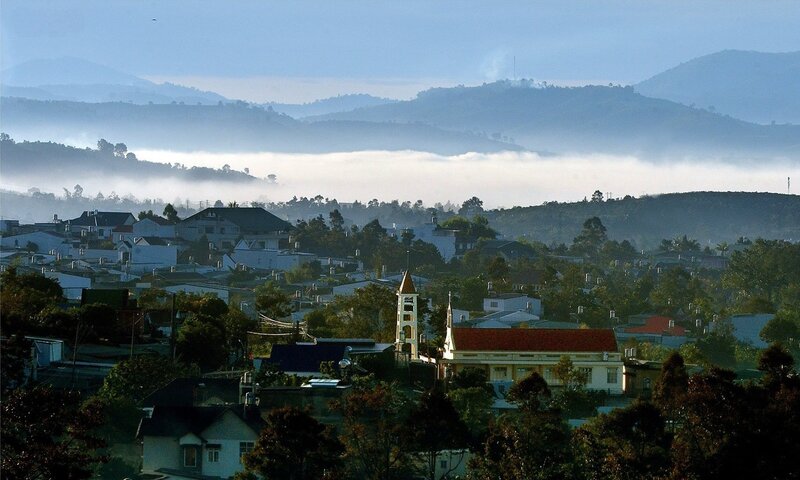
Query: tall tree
(272, 301)
(295, 446)
(435, 426)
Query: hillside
(584, 119)
(710, 217)
(754, 86)
(32, 160)
(234, 127)
(78, 80)
(340, 103)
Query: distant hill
(709, 217)
(584, 119)
(83, 81)
(232, 127)
(32, 160)
(341, 103)
(754, 86)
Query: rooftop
(534, 340)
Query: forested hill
(709, 217)
(232, 127)
(32, 160)
(589, 119)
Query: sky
(302, 50)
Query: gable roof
(102, 219)
(534, 340)
(170, 421)
(184, 392)
(252, 220)
(157, 219)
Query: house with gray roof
(223, 227)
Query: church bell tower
(407, 331)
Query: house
(189, 442)
(154, 226)
(508, 250)
(72, 285)
(304, 358)
(96, 224)
(223, 227)
(147, 253)
(747, 327)
(513, 302)
(194, 392)
(654, 329)
(38, 242)
(443, 239)
(509, 354)
(253, 254)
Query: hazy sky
(290, 50)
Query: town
(234, 344)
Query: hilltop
(754, 86)
(584, 119)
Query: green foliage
(14, 355)
(201, 340)
(626, 444)
(138, 377)
(24, 297)
(370, 313)
(764, 269)
(782, 329)
(295, 446)
(531, 393)
(272, 301)
(590, 239)
(473, 405)
(435, 426)
(49, 434)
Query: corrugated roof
(407, 284)
(534, 340)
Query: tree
(24, 297)
(120, 149)
(781, 329)
(237, 324)
(170, 213)
(14, 356)
(777, 364)
(597, 197)
(571, 378)
(295, 446)
(435, 426)
(136, 378)
(531, 393)
(48, 434)
(591, 238)
(105, 147)
(272, 301)
(201, 340)
(473, 405)
(376, 447)
(471, 207)
(626, 444)
(670, 388)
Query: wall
(160, 452)
(227, 432)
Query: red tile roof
(534, 340)
(657, 325)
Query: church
(511, 354)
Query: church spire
(407, 336)
(448, 339)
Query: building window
(213, 455)
(523, 373)
(493, 304)
(209, 229)
(190, 457)
(443, 464)
(245, 448)
(611, 376)
(549, 377)
(586, 373)
(500, 373)
(221, 229)
(647, 383)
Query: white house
(444, 240)
(154, 227)
(43, 241)
(147, 253)
(99, 224)
(513, 302)
(72, 285)
(254, 255)
(198, 442)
